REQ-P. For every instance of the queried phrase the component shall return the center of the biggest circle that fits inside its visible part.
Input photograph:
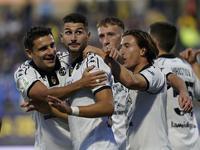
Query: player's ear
(28, 53)
(122, 35)
(155, 40)
(88, 36)
(61, 37)
(143, 51)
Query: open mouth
(124, 60)
(50, 59)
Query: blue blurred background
(17, 16)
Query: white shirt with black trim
(119, 117)
(50, 131)
(90, 133)
(147, 126)
(183, 128)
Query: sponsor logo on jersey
(161, 68)
(48, 117)
(182, 125)
(24, 81)
(151, 72)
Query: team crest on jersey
(24, 81)
(62, 71)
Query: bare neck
(74, 56)
(139, 67)
(161, 52)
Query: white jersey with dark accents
(183, 128)
(122, 104)
(164, 69)
(119, 117)
(89, 133)
(50, 131)
(147, 126)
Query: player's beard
(80, 49)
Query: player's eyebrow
(81, 28)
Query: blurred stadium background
(17, 16)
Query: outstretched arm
(178, 84)
(123, 75)
(191, 57)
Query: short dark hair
(165, 33)
(76, 18)
(33, 34)
(144, 40)
(112, 21)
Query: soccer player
(38, 77)
(182, 128)
(110, 31)
(148, 91)
(90, 109)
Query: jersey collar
(167, 56)
(79, 59)
(145, 67)
(43, 73)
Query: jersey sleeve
(25, 77)
(155, 79)
(99, 64)
(164, 69)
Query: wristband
(75, 110)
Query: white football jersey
(90, 133)
(119, 117)
(182, 128)
(147, 126)
(50, 131)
